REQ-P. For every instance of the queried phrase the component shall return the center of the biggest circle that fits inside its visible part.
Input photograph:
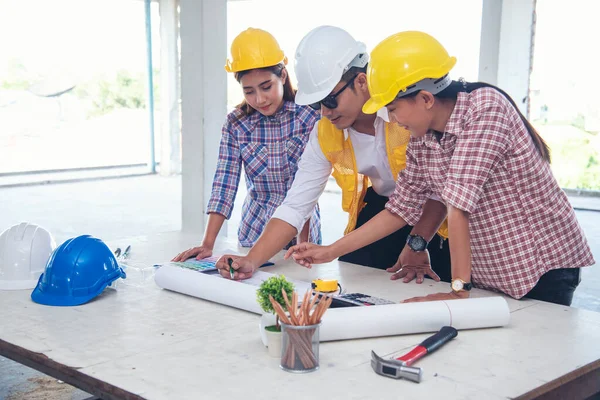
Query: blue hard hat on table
(77, 271)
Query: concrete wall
(507, 34)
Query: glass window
(564, 103)
(73, 84)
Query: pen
(231, 270)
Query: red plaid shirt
(520, 221)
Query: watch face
(457, 285)
(417, 243)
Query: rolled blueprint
(409, 318)
(212, 287)
(405, 319)
(208, 287)
(348, 322)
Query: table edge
(65, 373)
(581, 383)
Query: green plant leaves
(273, 287)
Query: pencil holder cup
(300, 348)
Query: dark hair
(451, 92)
(289, 93)
(351, 73)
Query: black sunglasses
(330, 101)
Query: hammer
(400, 368)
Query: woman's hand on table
(199, 252)
(439, 296)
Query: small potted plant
(273, 286)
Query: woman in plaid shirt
(511, 227)
(266, 134)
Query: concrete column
(491, 16)
(170, 157)
(203, 32)
(507, 34)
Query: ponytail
(451, 92)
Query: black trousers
(557, 286)
(385, 252)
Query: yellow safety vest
(339, 151)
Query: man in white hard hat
(364, 152)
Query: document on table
(213, 287)
(207, 264)
(406, 319)
(344, 323)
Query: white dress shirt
(314, 170)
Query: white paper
(210, 287)
(349, 322)
(478, 313)
(213, 287)
(404, 319)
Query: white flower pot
(265, 320)
(274, 343)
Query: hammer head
(395, 369)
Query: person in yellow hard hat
(512, 228)
(364, 153)
(266, 134)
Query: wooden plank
(70, 375)
(581, 383)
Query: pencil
(231, 270)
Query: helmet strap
(433, 86)
(360, 61)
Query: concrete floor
(118, 208)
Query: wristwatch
(416, 242)
(458, 285)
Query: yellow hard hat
(254, 48)
(400, 61)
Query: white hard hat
(24, 251)
(322, 57)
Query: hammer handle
(429, 345)
(446, 334)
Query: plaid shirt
(269, 148)
(520, 221)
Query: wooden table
(140, 341)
